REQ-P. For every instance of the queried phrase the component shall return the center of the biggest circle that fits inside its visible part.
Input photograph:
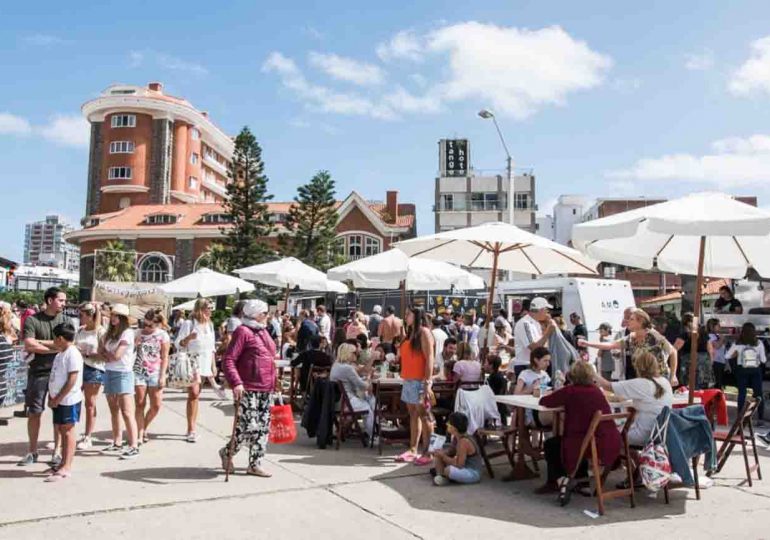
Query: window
(192, 183)
(122, 147)
(154, 268)
(447, 202)
(195, 134)
(160, 219)
(123, 120)
(484, 201)
(194, 158)
(354, 246)
(120, 173)
(574, 211)
(372, 246)
(522, 201)
(216, 218)
(124, 202)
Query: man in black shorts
(38, 341)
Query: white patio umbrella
(205, 282)
(289, 273)
(186, 306)
(393, 269)
(499, 246)
(704, 234)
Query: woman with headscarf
(249, 368)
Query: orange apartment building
(157, 177)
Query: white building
(465, 199)
(544, 226)
(567, 212)
(44, 245)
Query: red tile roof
(709, 289)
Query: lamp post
(486, 114)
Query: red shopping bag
(282, 428)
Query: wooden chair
(314, 373)
(391, 420)
(600, 476)
(736, 436)
(506, 435)
(445, 394)
(347, 419)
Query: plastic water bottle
(558, 379)
(543, 386)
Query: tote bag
(282, 427)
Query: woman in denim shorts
(152, 346)
(87, 341)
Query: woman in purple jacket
(249, 367)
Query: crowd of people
(531, 354)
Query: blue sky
(599, 98)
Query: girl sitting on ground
(461, 462)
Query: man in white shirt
(324, 323)
(439, 336)
(528, 333)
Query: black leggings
(552, 451)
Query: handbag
(182, 371)
(654, 465)
(282, 427)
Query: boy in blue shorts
(65, 396)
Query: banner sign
(13, 379)
(456, 157)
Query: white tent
(708, 234)
(499, 246)
(205, 282)
(393, 269)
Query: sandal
(406, 457)
(565, 492)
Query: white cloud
(347, 69)
(67, 130)
(701, 61)
(42, 40)
(402, 101)
(734, 162)
(754, 75)
(10, 124)
(405, 45)
(165, 61)
(516, 71)
(318, 97)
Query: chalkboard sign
(13, 379)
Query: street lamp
(486, 114)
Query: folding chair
(346, 416)
(507, 438)
(391, 420)
(445, 394)
(600, 477)
(315, 372)
(736, 436)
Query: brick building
(157, 176)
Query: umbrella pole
(285, 310)
(696, 323)
(490, 298)
(403, 298)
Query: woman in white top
(529, 381)
(749, 355)
(344, 371)
(118, 351)
(196, 336)
(649, 392)
(87, 340)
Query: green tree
(115, 262)
(243, 242)
(311, 223)
(215, 258)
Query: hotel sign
(456, 157)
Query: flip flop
(423, 460)
(406, 457)
(57, 476)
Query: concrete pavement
(177, 489)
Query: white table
(524, 401)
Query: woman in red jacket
(249, 367)
(580, 401)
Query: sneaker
(85, 443)
(191, 437)
(113, 448)
(439, 480)
(130, 453)
(55, 461)
(220, 392)
(27, 460)
(223, 458)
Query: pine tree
(311, 223)
(243, 242)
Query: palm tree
(215, 258)
(115, 262)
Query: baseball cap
(539, 303)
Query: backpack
(654, 466)
(749, 357)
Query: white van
(596, 300)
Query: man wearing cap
(528, 333)
(249, 368)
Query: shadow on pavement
(165, 475)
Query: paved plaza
(177, 490)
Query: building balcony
(214, 164)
